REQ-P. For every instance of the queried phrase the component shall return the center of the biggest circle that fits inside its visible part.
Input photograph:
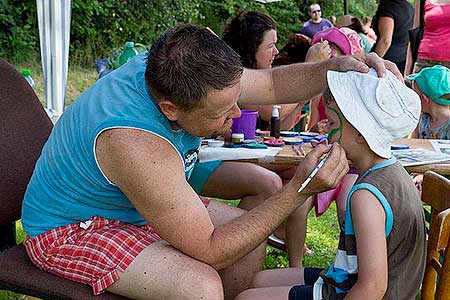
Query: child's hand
(314, 143)
(320, 127)
(418, 179)
(319, 52)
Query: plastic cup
(246, 124)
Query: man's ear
(169, 109)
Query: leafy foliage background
(99, 26)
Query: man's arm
(369, 221)
(300, 82)
(149, 171)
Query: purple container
(246, 124)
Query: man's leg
(239, 276)
(162, 272)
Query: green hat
(434, 82)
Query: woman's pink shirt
(435, 43)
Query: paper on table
(211, 154)
(416, 157)
(442, 146)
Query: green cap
(129, 44)
(434, 82)
(26, 72)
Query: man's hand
(328, 176)
(361, 63)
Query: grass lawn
(322, 234)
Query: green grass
(78, 80)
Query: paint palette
(289, 133)
(274, 143)
(293, 141)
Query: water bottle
(27, 75)
(128, 53)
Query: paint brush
(314, 171)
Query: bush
(99, 26)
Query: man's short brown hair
(187, 62)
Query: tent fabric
(54, 35)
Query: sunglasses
(316, 11)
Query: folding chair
(24, 128)
(436, 282)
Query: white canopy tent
(54, 35)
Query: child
(381, 252)
(343, 41)
(433, 87)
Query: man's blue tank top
(67, 185)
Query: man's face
(267, 50)
(315, 12)
(214, 115)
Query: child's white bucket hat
(381, 109)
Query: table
(288, 157)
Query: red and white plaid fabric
(91, 252)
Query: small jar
(237, 138)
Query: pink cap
(345, 38)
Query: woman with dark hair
(253, 35)
(391, 23)
(294, 51)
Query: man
(109, 203)
(316, 23)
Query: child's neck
(366, 160)
(439, 115)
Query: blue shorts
(201, 173)
(305, 292)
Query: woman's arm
(369, 221)
(409, 62)
(386, 30)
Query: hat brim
(356, 113)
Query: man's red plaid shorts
(91, 252)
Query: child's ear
(426, 99)
(360, 139)
(169, 109)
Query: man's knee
(208, 284)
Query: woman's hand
(319, 52)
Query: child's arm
(369, 224)
(314, 117)
(415, 133)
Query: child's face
(339, 130)
(423, 99)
